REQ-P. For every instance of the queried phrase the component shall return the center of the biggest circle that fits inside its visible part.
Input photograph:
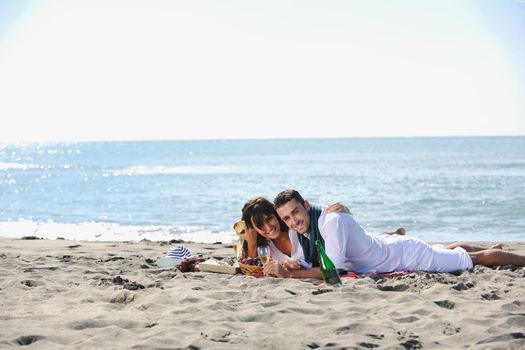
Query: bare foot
(400, 231)
(497, 246)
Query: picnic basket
(251, 270)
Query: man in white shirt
(352, 249)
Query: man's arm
(337, 235)
(314, 272)
(273, 268)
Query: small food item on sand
(214, 265)
(188, 264)
(252, 261)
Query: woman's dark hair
(257, 209)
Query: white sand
(57, 294)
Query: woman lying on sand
(265, 227)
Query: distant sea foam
(104, 231)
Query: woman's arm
(250, 239)
(273, 268)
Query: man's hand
(292, 264)
(337, 208)
(273, 268)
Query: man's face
(296, 216)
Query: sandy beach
(59, 294)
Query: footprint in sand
(368, 345)
(28, 339)
(412, 344)
(407, 319)
(392, 288)
(503, 337)
(463, 286)
(29, 283)
(445, 304)
(490, 296)
(376, 336)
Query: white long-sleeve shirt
(352, 249)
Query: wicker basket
(251, 270)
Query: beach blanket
(354, 275)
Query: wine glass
(263, 253)
(237, 242)
(237, 247)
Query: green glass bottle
(328, 270)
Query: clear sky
(114, 70)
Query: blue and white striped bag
(179, 252)
(174, 256)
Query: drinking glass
(263, 253)
(237, 247)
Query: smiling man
(303, 218)
(352, 249)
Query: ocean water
(439, 189)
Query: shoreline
(61, 294)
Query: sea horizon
(260, 138)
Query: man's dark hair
(256, 209)
(287, 195)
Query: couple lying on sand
(291, 225)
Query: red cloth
(354, 275)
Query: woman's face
(270, 228)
